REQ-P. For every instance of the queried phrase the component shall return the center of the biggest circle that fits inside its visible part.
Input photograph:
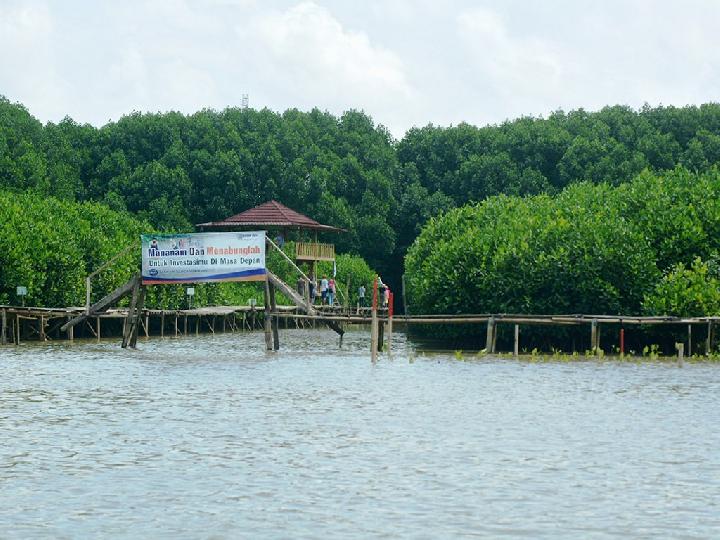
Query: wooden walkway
(32, 323)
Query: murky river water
(211, 437)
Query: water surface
(211, 437)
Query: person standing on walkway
(361, 296)
(324, 289)
(331, 292)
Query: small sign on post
(190, 291)
(21, 292)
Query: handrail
(88, 284)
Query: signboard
(203, 257)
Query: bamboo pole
(374, 324)
(490, 335)
(391, 303)
(274, 318)
(3, 329)
(266, 322)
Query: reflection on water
(212, 437)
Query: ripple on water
(213, 437)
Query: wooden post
(97, 328)
(43, 337)
(391, 309)
(516, 346)
(622, 341)
(224, 321)
(708, 343)
(274, 318)
(70, 330)
(137, 314)
(593, 336)
(162, 323)
(3, 330)
(147, 325)
(17, 325)
(404, 296)
(197, 324)
(185, 325)
(681, 353)
(266, 325)
(374, 324)
(689, 350)
(176, 324)
(128, 326)
(490, 335)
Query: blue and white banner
(203, 257)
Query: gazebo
(276, 216)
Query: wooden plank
(104, 303)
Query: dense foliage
(590, 249)
(175, 170)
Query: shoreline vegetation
(608, 212)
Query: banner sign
(203, 257)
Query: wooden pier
(20, 324)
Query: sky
(404, 62)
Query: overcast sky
(406, 63)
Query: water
(211, 437)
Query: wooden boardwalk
(32, 323)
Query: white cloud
(306, 53)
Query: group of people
(325, 292)
(383, 294)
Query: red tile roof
(270, 214)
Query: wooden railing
(313, 251)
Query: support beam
(266, 322)
(274, 318)
(3, 327)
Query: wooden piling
(516, 345)
(162, 324)
(374, 324)
(3, 328)
(689, 349)
(19, 328)
(71, 330)
(594, 337)
(390, 322)
(266, 322)
(274, 319)
(708, 342)
(681, 354)
(97, 328)
(490, 335)
(147, 325)
(176, 324)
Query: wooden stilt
(3, 328)
(198, 320)
(689, 349)
(268, 330)
(490, 336)
(516, 345)
(147, 325)
(373, 324)
(176, 324)
(97, 328)
(185, 325)
(18, 330)
(708, 344)
(131, 316)
(137, 314)
(594, 336)
(162, 324)
(70, 331)
(391, 311)
(43, 337)
(274, 319)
